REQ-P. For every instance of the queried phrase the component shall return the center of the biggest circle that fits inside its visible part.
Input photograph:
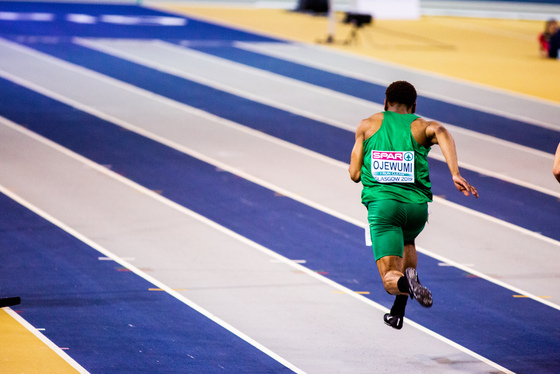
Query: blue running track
(521, 206)
(108, 317)
(517, 334)
(500, 127)
(481, 317)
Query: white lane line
(213, 225)
(501, 142)
(143, 93)
(489, 279)
(222, 121)
(269, 75)
(497, 221)
(209, 82)
(503, 177)
(114, 51)
(124, 263)
(271, 186)
(448, 264)
(430, 94)
(238, 127)
(296, 261)
(59, 351)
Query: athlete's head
(401, 92)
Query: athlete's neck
(400, 108)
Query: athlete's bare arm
(357, 155)
(437, 134)
(366, 128)
(556, 165)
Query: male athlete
(390, 159)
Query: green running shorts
(392, 224)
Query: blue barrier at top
(108, 21)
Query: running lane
(518, 205)
(508, 129)
(105, 317)
(470, 311)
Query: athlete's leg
(391, 270)
(386, 218)
(395, 317)
(395, 252)
(416, 218)
(410, 257)
(410, 260)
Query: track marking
(103, 258)
(214, 225)
(356, 292)
(135, 270)
(276, 104)
(489, 278)
(209, 82)
(45, 340)
(497, 221)
(525, 296)
(273, 187)
(296, 261)
(252, 47)
(446, 264)
(498, 141)
(228, 123)
(282, 191)
(326, 210)
(146, 94)
(503, 177)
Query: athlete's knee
(387, 288)
(390, 280)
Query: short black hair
(401, 92)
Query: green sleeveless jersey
(395, 166)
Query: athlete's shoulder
(420, 121)
(370, 125)
(424, 131)
(373, 118)
(421, 124)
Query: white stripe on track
(46, 340)
(206, 115)
(271, 186)
(501, 142)
(141, 92)
(210, 83)
(123, 262)
(466, 104)
(505, 178)
(160, 67)
(279, 78)
(214, 225)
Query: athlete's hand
(464, 186)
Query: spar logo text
(392, 167)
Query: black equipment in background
(9, 301)
(357, 20)
(314, 6)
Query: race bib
(392, 167)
